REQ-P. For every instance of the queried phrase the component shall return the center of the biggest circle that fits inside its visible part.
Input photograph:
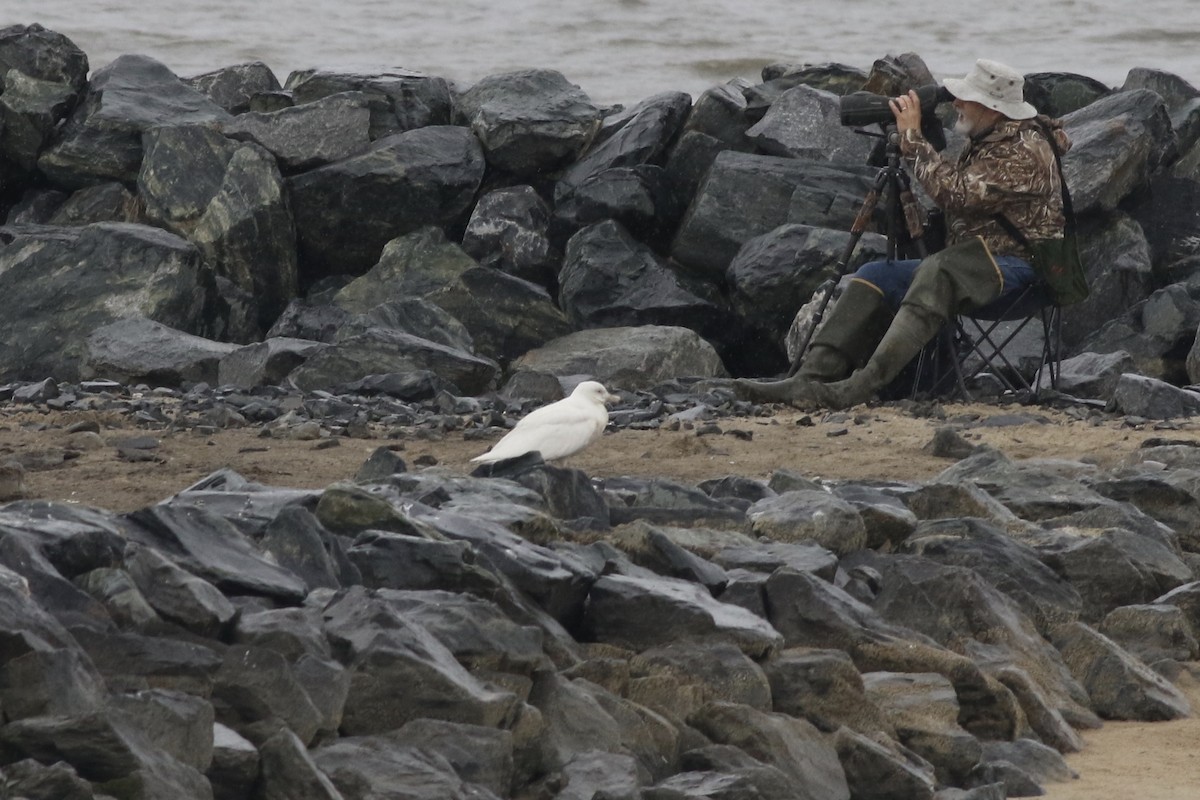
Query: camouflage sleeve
(997, 175)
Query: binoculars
(865, 108)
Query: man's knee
(873, 272)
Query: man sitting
(1005, 179)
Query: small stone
(949, 443)
(12, 482)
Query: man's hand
(907, 110)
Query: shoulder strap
(1068, 209)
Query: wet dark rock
(43, 75)
(400, 100)
(1056, 94)
(130, 96)
(608, 279)
(384, 351)
(234, 88)
(426, 176)
(128, 271)
(311, 134)
(619, 608)
(509, 230)
(747, 195)
(1098, 177)
(381, 649)
(551, 634)
(104, 202)
(139, 350)
(232, 205)
(214, 549)
(630, 357)
(1119, 685)
(505, 316)
(529, 122)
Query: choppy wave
(623, 50)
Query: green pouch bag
(1057, 263)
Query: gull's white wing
(556, 430)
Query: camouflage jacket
(1008, 170)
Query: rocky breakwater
(528, 631)
(341, 226)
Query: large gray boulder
(1120, 273)
(61, 284)
(641, 613)
(716, 123)
(1008, 564)
(102, 139)
(804, 123)
(958, 609)
(1112, 566)
(792, 745)
(1156, 333)
(809, 516)
(640, 134)
(1120, 686)
(620, 176)
(265, 363)
(530, 122)
(311, 134)
(924, 710)
(383, 351)
(347, 211)
(627, 358)
(382, 649)
(609, 279)
(42, 76)
(111, 749)
(1118, 141)
(229, 200)
(139, 350)
(774, 274)
(212, 548)
(747, 195)
(1153, 398)
(504, 315)
(509, 230)
(1056, 94)
(236, 87)
(399, 99)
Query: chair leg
(990, 348)
(966, 337)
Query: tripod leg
(861, 221)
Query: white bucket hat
(995, 85)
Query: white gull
(559, 429)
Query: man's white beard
(964, 126)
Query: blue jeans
(892, 278)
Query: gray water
(620, 51)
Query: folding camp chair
(974, 349)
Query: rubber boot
(849, 334)
(844, 342)
(952, 281)
(909, 331)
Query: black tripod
(893, 184)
